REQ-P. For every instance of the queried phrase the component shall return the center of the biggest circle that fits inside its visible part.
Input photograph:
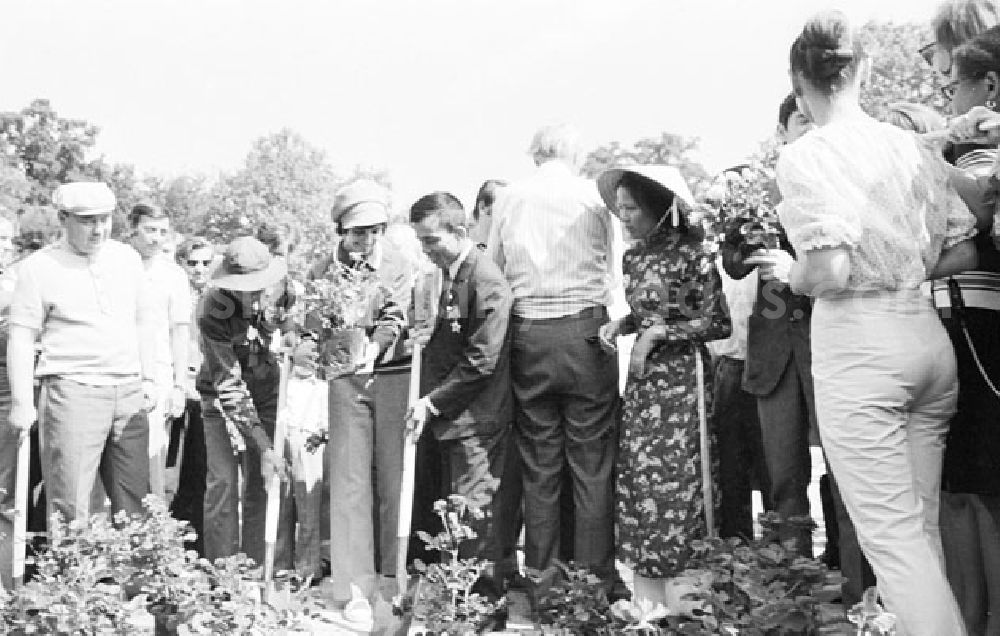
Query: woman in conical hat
(674, 293)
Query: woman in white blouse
(871, 214)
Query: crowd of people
(868, 327)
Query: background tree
(669, 149)
(898, 73)
(48, 148)
(284, 180)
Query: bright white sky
(443, 93)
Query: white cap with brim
(247, 265)
(667, 177)
(361, 203)
(364, 214)
(84, 198)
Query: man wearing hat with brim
(238, 383)
(85, 300)
(367, 397)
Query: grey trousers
(366, 458)
(89, 431)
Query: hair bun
(825, 63)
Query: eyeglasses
(948, 90)
(936, 57)
(195, 262)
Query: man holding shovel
(465, 371)
(238, 383)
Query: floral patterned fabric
(670, 279)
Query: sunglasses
(196, 262)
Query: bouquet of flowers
(335, 306)
(744, 197)
(342, 298)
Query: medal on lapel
(452, 313)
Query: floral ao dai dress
(660, 505)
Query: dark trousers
(473, 468)
(187, 446)
(226, 533)
(566, 390)
(427, 488)
(740, 450)
(509, 508)
(786, 415)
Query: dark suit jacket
(778, 325)
(466, 373)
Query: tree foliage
(898, 73)
(668, 149)
(49, 149)
(284, 180)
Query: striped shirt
(554, 241)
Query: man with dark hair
(278, 237)
(482, 212)
(465, 373)
(367, 395)
(187, 439)
(168, 285)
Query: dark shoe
(830, 558)
(617, 590)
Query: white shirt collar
(556, 167)
(464, 254)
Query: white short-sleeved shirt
(86, 310)
(877, 191)
(171, 301)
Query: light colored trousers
(89, 432)
(365, 454)
(886, 386)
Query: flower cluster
(444, 601)
(870, 617)
(745, 197)
(132, 575)
(341, 298)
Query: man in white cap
(238, 383)
(367, 396)
(86, 301)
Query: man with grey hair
(553, 239)
(86, 301)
